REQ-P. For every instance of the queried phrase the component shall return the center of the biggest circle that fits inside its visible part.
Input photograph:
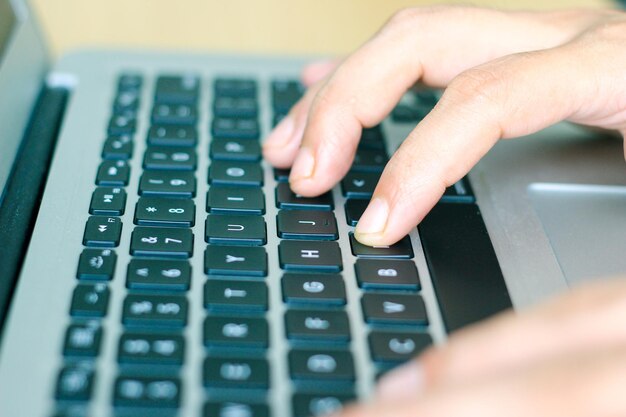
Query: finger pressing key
(512, 96)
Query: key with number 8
(154, 211)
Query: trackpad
(586, 225)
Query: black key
(90, 300)
(108, 201)
(126, 100)
(235, 230)
(426, 97)
(118, 147)
(129, 82)
(122, 124)
(369, 160)
(113, 173)
(102, 231)
(318, 405)
(401, 249)
(317, 326)
(388, 274)
(96, 264)
(285, 93)
(236, 332)
(161, 241)
(460, 192)
(372, 138)
(174, 158)
(354, 210)
(177, 89)
(75, 383)
(155, 310)
(168, 184)
(155, 211)
(239, 373)
(83, 340)
(281, 175)
(235, 409)
(151, 349)
(235, 150)
(463, 265)
(235, 173)
(372, 144)
(235, 107)
(286, 199)
(399, 309)
(406, 113)
(313, 289)
(153, 274)
(235, 87)
(147, 392)
(309, 256)
(223, 200)
(235, 260)
(359, 184)
(174, 114)
(372, 133)
(235, 200)
(235, 295)
(321, 365)
(163, 135)
(235, 128)
(307, 224)
(397, 347)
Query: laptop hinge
(22, 196)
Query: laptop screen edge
(23, 67)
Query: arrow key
(102, 231)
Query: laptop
(154, 265)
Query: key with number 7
(167, 242)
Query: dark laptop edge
(20, 203)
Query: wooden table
(277, 26)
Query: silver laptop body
(553, 205)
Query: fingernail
(374, 218)
(407, 380)
(282, 133)
(303, 165)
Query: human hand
(566, 358)
(507, 74)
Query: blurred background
(274, 26)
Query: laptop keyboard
(235, 331)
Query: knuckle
(402, 16)
(434, 13)
(477, 85)
(416, 17)
(612, 29)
